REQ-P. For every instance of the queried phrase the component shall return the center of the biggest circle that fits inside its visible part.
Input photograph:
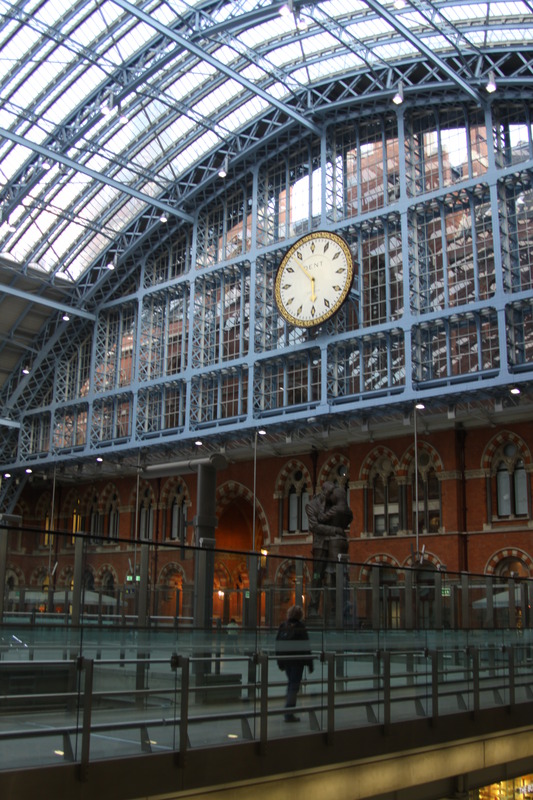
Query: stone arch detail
(64, 577)
(429, 558)
(372, 459)
(408, 458)
(107, 567)
(223, 574)
(499, 440)
(231, 490)
(143, 486)
(169, 487)
(107, 493)
(285, 567)
(280, 486)
(169, 569)
(38, 573)
(508, 552)
(19, 574)
(379, 559)
(330, 465)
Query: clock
(314, 278)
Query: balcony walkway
(130, 713)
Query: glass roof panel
(56, 60)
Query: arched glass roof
(112, 109)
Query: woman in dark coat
(293, 655)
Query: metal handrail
(482, 674)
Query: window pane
(293, 511)
(504, 492)
(305, 521)
(379, 525)
(520, 489)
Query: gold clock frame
(327, 236)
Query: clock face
(314, 278)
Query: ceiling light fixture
(223, 171)
(25, 370)
(163, 218)
(65, 317)
(515, 390)
(491, 83)
(398, 97)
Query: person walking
(293, 653)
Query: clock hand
(305, 272)
(311, 278)
(313, 295)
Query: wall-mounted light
(491, 83)
(398, 96)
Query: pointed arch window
(511, 488)
(427, 514)
(178, 518)
(95, 522)
(297, 498)
(146, 517)
(386, 509)
(113, 519)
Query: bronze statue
(329, 518)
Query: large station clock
(314, 278)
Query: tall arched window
(297, 499)
(511, 479)
(385, 495)
(146, 517)
(113, 519)
(178, 516)
(427, 512)
(95, 521)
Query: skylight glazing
(175, 96)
